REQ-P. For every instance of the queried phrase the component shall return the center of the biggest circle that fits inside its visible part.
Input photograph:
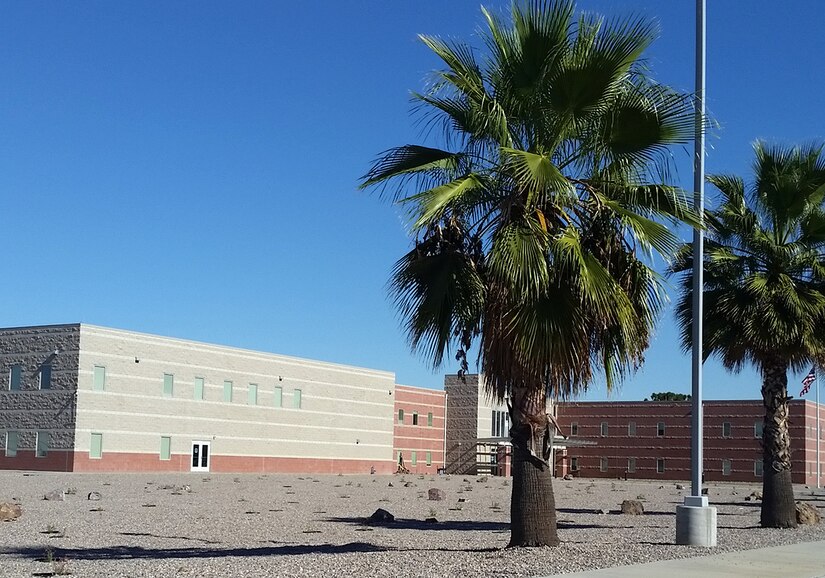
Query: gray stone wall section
(31, 409)
(462, 423)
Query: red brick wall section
(420, 438)
(54, 461)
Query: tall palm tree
(533, 224)
(764, 292)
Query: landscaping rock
(807, 514)
(436, 494)
(9, 511)
(680, 487)
(55, 495)
(568, 477)
(633, 508)
(94, 496)
(380, 516)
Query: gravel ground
(194, 525)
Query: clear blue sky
(190, 168)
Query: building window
(726, 467)
(46, 376)
(430, 419)
(165, 448)
(603, 465)
(96, 446)
(296, 399)
(400, 458)
(631, 429)
(758, 429)
(413, 457)
(99, 381)
(15, 377)
(198, 388)
(42, 444)
(168, 384)
(631, 465)
(278, 400)
(726, 429)
(227, 390)
(660, 465)
(660, 429)
(12, 438)
(604, 429)
(429, 458)
(400, 416)
(757, 468)
(252, 394)
(574, 429)
(415, 418)
(574, 464)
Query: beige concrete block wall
(33, 409)
(346, 412)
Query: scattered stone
(568, 477)
(460, 500)
(94, 496)
(431, 520)
(807, 514)
(390, 485)
(633, 508)
(408, 484)
(705, 491)
(680, 487)
(604, 511)
(9, 511)
(436, 494)
(380, 516)
(755, 496)
(55, 495)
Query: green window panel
(42, 444)
(96, 446)
(12, 439)
(46, 376)
(252, 398)
(99, 382)
(413, 457)
(227, 390)
(15, 377)
(400, 416)
(430, 419)
(296, 399)
(278, 400)
(199, 388)
(168, 385)
(165, 448)
(429, 458)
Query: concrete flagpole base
(696, 522)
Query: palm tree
(533, 223)
(764, 292)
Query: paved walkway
(803, 560)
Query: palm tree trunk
(778, 507)
(533, 507)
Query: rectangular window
(99, 382)
(757, 468)
(413, 457)
(604, 429)
(296, 399)
(429, 458)
(660, 429)
(494, 421)
(12, 438)
(631, 465)
(603, 465)
(46, 376)
(758, 427)
(165, 448)
(660, 465)
(96, 446)
(42, 444)
(198, 388)
(430, 419)
(227, 390)
(252, 396)
(574, 429)
(168, 384)
(574, 464)
(15, 377)
(726, 467)
(278, 398)
(400, 416)
(726, 429)
(415, 418)
(631, 429)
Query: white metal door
(200, 456)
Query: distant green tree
(669, 396)
(764, 292)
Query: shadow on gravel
(139, 552)
(150, 535)
(409, 524)
(612, 512)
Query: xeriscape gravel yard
(152, 525)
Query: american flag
(806, 383)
